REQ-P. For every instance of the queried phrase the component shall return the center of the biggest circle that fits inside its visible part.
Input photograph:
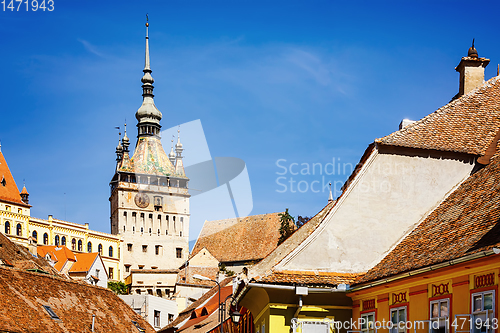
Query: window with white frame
(483, 304)
(367, 320)
(398, 315)
(439, 315)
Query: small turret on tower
(171, 155)
(25, 195)
(179, 165)
(119, 151)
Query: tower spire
(148, 115)
(171, 155)
(179, 165)
(125, 140)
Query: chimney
(471, 69)
(405, 122)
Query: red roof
(60, 254)
(465, 125)
(8, 188)
(84, 262)
(309, 278)
(240, 241)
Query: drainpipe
(93, 322)
(299, 308)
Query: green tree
(286, 227)
(118, 288)
(301, 220)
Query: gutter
(310, 289)
(428, 269)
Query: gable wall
(394, 190)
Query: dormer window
(3, 182)
(51, 312)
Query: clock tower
(149, 196)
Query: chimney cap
(472, 51)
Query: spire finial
(472, 51)
(330, 197)
(147, 65)
(498, 69)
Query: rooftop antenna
(330, 197)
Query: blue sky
(295, 81)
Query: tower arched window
(110, 251)
(142, 230)
(99, 249)
(45, 239)
(89, 247)
(80, 245)
(34, 234)
(19, 230)
(57, 240)
(63, 240)
(7, 227)
(73, 244)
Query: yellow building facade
(447, 299)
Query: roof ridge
(445, 109)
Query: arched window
(7, 227)
(142, 230)
(35, 236)
(110, 251)
(80, 245)
(89, 247)
(19, 230)
(57, 240)
(63, 240)
(99, 249)
(73, 244)
(45, 239)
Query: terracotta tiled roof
(60, 254)
(23, 295)
(8, 188)
(21, 258)
(211, 227)
(207, 299)
(84, 262)
(309, 278)
(252, 238)
(465, 125)
(185, 275)
(267, 264)
(465, 223)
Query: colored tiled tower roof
(149, 158)
(8, 188)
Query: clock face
(141, 200)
